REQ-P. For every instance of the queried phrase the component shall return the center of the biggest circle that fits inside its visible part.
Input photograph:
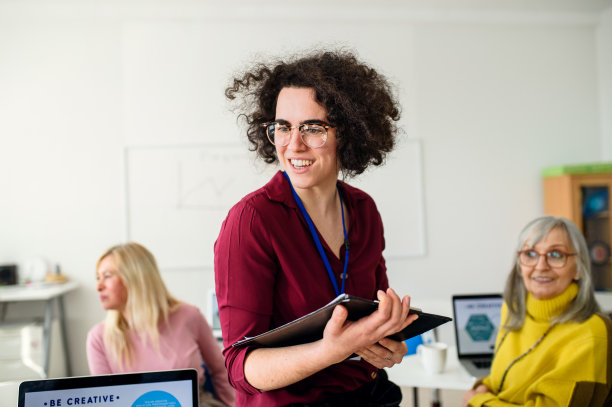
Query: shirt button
(373, 374)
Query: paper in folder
(309, 328)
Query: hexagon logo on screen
(479, 327)
(156, 398)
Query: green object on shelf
(594, 168)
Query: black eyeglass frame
(300, 126)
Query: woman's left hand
(385, 353)
(368, 335)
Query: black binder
(309, 328)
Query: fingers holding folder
(366, 336)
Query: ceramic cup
(433, 356)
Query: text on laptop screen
(477, 322)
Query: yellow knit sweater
(569, 367)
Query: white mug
(433, 356)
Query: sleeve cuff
(481, 399)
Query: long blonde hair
(148, 300)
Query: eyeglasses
(554, 258)
(314, 135)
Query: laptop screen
(173, 388)
(477, 320)
(213, 314)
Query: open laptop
(476, 321)
(171, 388)
(212, 314)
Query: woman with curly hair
(293, 245)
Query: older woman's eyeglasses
(554, 258)
(313, 134)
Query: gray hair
(515, 293)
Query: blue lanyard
(317, 241)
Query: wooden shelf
(564, 196)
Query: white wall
(493, 96)
(604, 58)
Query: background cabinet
(582, 194)
(21, 351)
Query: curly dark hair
(359, 103)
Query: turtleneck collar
(544, 310)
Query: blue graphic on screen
(156, 398)
(478, 321)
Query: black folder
(309, 328)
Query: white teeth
(301, 163)
(542, 279)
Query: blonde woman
(147, 329)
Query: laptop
(171, 388)
(477, 320)
(212, 315)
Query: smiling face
(112, 291)
(308, 168)
(545, 282)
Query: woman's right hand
(342, 338)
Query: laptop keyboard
(481, 364)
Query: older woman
(147, 329)
(305, 237)
(554, 346)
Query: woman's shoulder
(359, 200)
(188, 319)
(186, 310)
(596, 326)
(354, 192)
(599, 324)
(264, 199)
(261, 193)
(97, 331)
(356, 196)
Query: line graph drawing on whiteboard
(207, 181)
(178, 196)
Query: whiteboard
(397, 189)
(178, 196)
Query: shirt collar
(278, 190)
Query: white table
(50, 294)
(410, 373)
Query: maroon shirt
(268, 272)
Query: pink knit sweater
(185, 342)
